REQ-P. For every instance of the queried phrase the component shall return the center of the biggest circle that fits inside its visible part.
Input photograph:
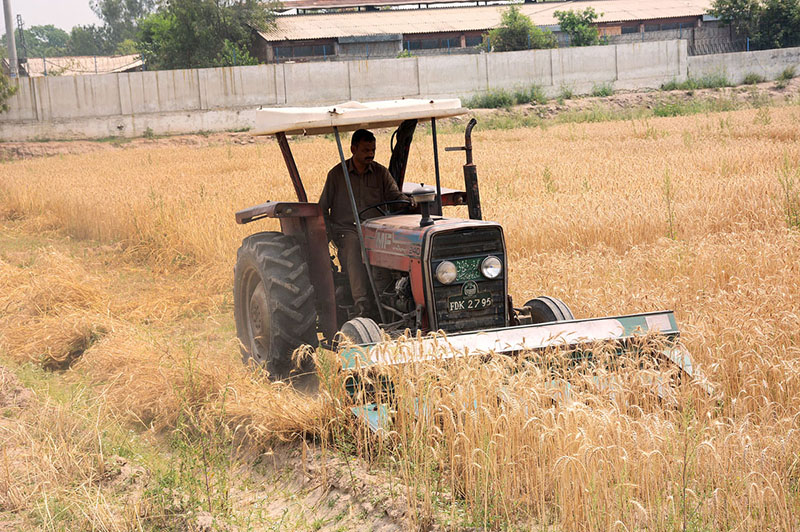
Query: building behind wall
(319, 30)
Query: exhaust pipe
(470, 174)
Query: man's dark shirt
(373, 186)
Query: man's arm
(326, 201)
(390, 188)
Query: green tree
(741, 14)
(127, 47)
(7, 88)
(201, 33)
(579, 25)
(768, 23)
(41, 40)
(120, 17)
(778, 24)
(517, 32)
(89, 40)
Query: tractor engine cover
(468, 301)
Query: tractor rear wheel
(545, 309)
(273, 301)
(361, 331)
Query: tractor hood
(395, 241)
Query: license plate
(476, 302)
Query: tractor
(446, 275)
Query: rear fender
(304, 221)
(278, 209)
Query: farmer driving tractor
(372, 184)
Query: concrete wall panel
(657, 60)
(142, 90)
(84, 96)
(162, 91)
(178, 90)
(22, 106)
(309, 83)
(450, 74)
(237, 86)
(516, 69)
(380, 79)
(581, 68)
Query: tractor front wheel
(273, 301)
(361, 331)
(545, 309)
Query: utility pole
(12, 45)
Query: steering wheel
(383, 212)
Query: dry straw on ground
(683, 213)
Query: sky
(63, 14)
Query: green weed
(604, 89)
(762, 117)
(531, 94)
(503, 99)
(753, 79)
(711, 81)
(758, 99)
(782, 81)
(787, 74)
(511, 121)
(491, 99)
(200, 475)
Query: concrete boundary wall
(736, 66)
(218, 99)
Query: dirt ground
(759, 94)
(293, 486)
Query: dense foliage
(168, 34)
(116, 35)
(768, 23)
(579, 26)
(201, 33)
(7, 88)
(517, 32)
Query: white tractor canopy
(350, 116)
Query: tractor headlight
(446, 272)
(491, 267)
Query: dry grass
(587, 218)
(54, 466)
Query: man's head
(362, 146)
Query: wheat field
(697, 214)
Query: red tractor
(447, 274)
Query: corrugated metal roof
(338, 4)
(435, 20)
(81, 65)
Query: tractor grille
(472, 242)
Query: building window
(671, 26)
(630, 29)
(429, 44)
(652, 27)
(303, 50)
(474, 40)
(432, 44)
